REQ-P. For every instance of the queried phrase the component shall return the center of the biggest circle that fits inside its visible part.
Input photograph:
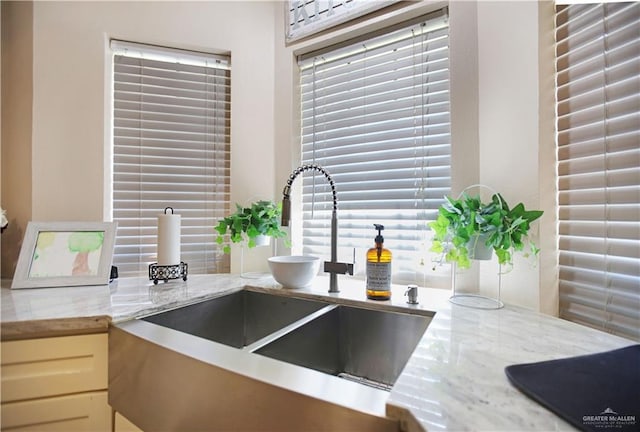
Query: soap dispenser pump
(379, 269)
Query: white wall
(516, 133)
(17, 38)
(70, 78)
(548, 295)
(71, 86)
(0, 136)
(508, 71)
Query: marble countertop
(41, 312)
(454, 380)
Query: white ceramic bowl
(294, 271)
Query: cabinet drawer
(82, 412)
(38, 368)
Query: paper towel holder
(166, 272)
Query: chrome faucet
(333, 267)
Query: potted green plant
(467, 222)
(261, 218)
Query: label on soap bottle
(378, 276)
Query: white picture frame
(65, 254)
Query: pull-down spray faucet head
(286, 207)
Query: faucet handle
(338, 267)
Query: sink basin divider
(288, 329)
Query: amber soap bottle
(379, 269)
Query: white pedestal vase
(476, 301)
(478, 251)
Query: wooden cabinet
(56, 384)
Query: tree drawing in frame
(62, 253)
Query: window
(170, 149)
(375, 114)
(305, 17)
(598, 91)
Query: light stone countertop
(455, 379)
(42, 312)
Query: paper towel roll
(168, 239)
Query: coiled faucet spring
(332, 267)
(286, 192)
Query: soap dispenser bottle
(379, 269)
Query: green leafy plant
(463, 222)
(247, 223)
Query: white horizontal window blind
(375, 114)
(171, 140)
(598, 91)
(305, 17)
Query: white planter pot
(263, 240)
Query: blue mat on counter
(595, 392)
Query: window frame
(419, 273)
(183, 60)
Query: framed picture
(58, 254)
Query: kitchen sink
(237, 319)
(363, 345)
(369, 346)
(199, 367)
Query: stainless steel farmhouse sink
(237, 319)
(364, 345)
(251, 360)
